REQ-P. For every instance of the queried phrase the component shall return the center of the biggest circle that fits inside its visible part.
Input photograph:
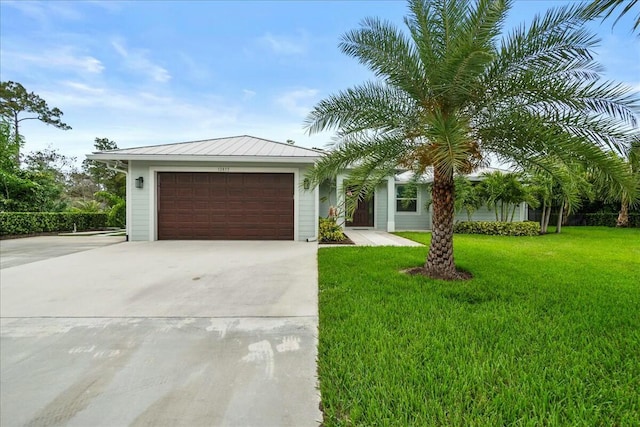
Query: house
(393, 208)
(246, 188)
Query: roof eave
(195, 158)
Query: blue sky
(144, 73)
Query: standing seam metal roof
(244, 145)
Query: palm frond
(388, 53)
(606, 8)
(370, 106)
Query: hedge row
(15, 223)
(610, 219)
(527, 228)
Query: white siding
(143, 214)
(380, 213)
(328, 197)
(139, 229)
(306, 210)
(420, 220)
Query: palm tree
(503, 192)
(468, 197)
(612, 192)
(621, 7)
(451, 91)
(632, 160)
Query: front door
(363, 215)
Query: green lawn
(546, 333)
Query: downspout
(115, 167)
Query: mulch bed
(421, 271)
(346, 241)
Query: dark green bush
(117, 215)
(330, 231)
(527, 228)
(14, 223)
(608, 219)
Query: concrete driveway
(30, 249)
(162, 333)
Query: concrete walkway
(369, 237)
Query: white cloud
(142, 117)
(83, 88)
(297, 101)
(47, 12)
(137, 60)
(284, 45)
(59, 58)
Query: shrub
(15, 223)
(527, 228)
(117, 215)
(330, 231)
(608, 219)
(117, 211)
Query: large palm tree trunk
(440, 263)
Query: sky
(146, 72)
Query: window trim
(417, 199)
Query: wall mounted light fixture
(139, 182)
(306, 183)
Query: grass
(546, 333)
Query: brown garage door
(225, 206)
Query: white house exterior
(390, 210)
(241, 187)
(248, 188)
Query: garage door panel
(242, 206)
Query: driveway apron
(169, 333)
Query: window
(406, 198)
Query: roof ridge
(210, 139)
(283, 143)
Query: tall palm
(613, 192)
(451, 91)
(627, 200)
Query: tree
(80, 186)
(468, 198)
(107, 179)
(626, 199)
(452, 91)
(15, 100)
(612, 192)
(117, 210)
(562, 186)
(503, 192)
(23, 190)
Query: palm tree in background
(632, 161)
(450, 91)
(612, 192)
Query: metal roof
(243, 147)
